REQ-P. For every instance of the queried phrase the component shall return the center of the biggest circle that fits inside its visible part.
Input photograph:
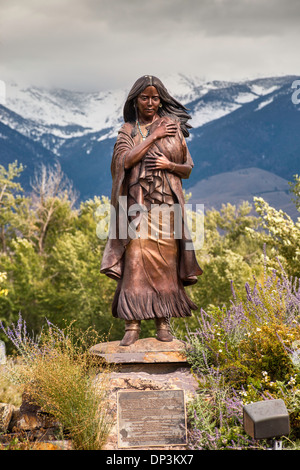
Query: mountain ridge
(236, 125)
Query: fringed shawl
(129, 184)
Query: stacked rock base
(146, 365)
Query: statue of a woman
(149, 160)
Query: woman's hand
(157, 161)
(137, 153)
(164, 130)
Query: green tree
(281, 234)
(50, 252)
(53, 202)
(78, 290)
(229, 254)
(11, 203)
(295, 189)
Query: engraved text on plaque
(151, 418)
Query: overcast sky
(103, 44)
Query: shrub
(58, 374)
(254, 344)
(216, 418)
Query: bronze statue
(149, 160)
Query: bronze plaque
(151, 418)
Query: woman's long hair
(170, 106)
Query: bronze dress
(151, 270)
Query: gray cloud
(109, 43)
(212, 17)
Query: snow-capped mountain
(60, 113)
(66, 114)
(236, 125)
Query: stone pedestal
(146, 365)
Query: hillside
(242, 185)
